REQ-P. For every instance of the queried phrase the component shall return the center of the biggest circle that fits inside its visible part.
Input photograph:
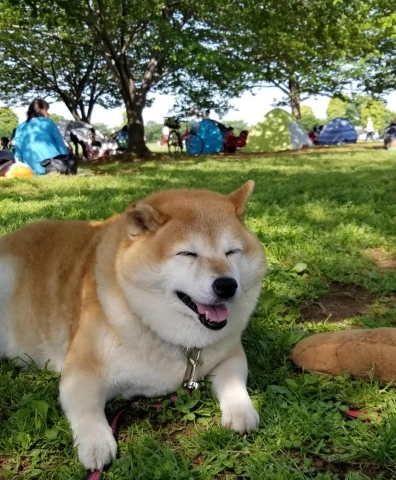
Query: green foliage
(8, 121)
(298, 46)
(375, 71)
(337, 108)
(308, 118)
(389, 116)
(153, 131)
(376, 110)
(46, 56)
(342, 208)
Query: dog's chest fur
(152, 367)
(148, 374)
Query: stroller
(232, 142)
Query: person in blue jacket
(39, 143)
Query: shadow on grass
(301, 205)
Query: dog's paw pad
(96, 447)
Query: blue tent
(338, 130)
(212, 134)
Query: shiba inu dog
(113, 305)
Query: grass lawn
(327, 220)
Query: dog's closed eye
(233, 252)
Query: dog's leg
(229, 385)
(83, 397)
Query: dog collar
(190, 373)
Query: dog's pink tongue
(216, 313)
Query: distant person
(12, 141)
(194, 122)
(206, 115)
(232, 142)
(123, 133)
(313, 134)
(165, 135)
(95, 145)
(76, 140)
(39, 144)
(369, 129)
(94, 141)
(5, 142)
(121, 138)
(390, 136)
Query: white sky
(250, 108)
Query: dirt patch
(343, 301)
(382, 259)
(341, 469)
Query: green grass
(325, 209)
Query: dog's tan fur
(97, 300)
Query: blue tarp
(339, 130)
(212, 136)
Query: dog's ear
(240, 198)
(142, 218)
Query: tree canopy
(41, 58)
(204, 52)
(298, 46)
(375, 71)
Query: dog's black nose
(225, 287)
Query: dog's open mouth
(211, 316)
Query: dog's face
(189, 267)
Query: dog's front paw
(241, 417)
(96, 446)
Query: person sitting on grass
(96, 145)
(121, 138)
(390, 136)
(39, 144)
(313, 135)
(232, 142)
(5, 141)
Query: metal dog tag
(193, 361)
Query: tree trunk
(70, 104)
(135, 102)
(84, 118)
(295, 100)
